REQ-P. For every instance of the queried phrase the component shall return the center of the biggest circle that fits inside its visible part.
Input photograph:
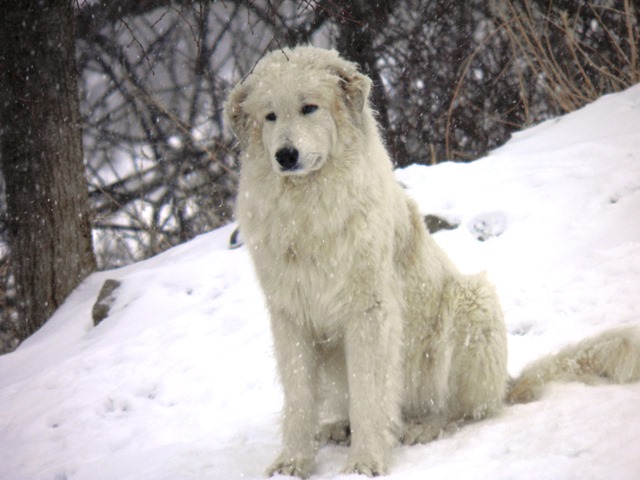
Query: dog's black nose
(287, 158)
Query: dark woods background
(452, 80)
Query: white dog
(377, 336)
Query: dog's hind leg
(334, 392)
(478, 376)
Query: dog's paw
(337, 433)
(424, 432)
(524, 390)
(365, 465)
(294, 466)
(415, 432)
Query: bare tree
(41, 151)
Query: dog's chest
(302, 228)
(305, 244)
(305, 272)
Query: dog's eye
(270, 117)
(309, 108)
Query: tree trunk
(41, 153)
(359, 23)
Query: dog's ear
(355, 88)
(235, 114)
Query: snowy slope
(179, 383)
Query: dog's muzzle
(287, 158)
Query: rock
(435, 223)
(106, 297)
(235, 241)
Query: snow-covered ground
(178, 382)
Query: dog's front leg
(297, 362)
(373, 347)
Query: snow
(178, 382)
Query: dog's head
(294, 105)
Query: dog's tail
(611, 357)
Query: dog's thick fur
(377, 335)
